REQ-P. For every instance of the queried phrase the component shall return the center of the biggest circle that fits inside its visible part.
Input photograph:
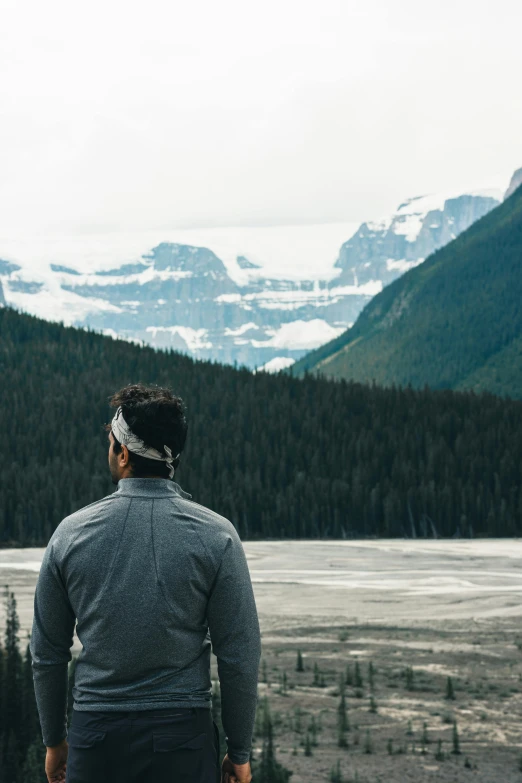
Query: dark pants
(153, 746)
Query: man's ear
(124, 455)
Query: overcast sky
(119, 115)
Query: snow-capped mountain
(385, 249)
(261, 297)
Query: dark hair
(155, 415)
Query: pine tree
(33, 768)
(30, 726)
(456, 739)
(343, 722)
(335, 773)
(298, 726)
(3, 722)
(410, 679)
(263, 717)
(371, 676)
(373, 704)
(313, 728)
(299, 665)
(264, 674)
(12, 687)
(348, 677)
(368, 744)
(308, 745)
(268, 769)
(216, 710)
(283, 689)
(358, 676)
(450, 692)
(12, 759)
(424, 738)
(316, 680)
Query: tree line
(277, 455)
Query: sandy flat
(362, 581)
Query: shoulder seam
(205, 547)
(69, 545)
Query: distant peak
(516, 181)
(244, 263)
(6, 267)
(65, 269)
(171, 255)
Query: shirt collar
(150, 487)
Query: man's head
(157, 417)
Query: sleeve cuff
(238, 758)
(51, 742)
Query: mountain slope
(454, 321)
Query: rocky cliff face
(516, 182)
(384, 249)
(184, 297)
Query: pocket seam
(90, 737)
(184, 742)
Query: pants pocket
(85, 759)
(180, 756)
(80, 737)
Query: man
(152, 580)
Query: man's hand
(235, 773)
(56, 762)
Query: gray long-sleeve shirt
(153, 580)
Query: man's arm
(50, 645)
(236, 641)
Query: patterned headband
(124, 434)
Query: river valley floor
(414, 613)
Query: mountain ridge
(450, 322)
(184, 296)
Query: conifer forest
(280, 457)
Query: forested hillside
(276, 455)
(455, 321)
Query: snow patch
(300, 335)
(294, 298)
(195, 339)
(408, 219)
(241, 329)
(61, 305)
(277, 363)
(141, 278)
(401, 264)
